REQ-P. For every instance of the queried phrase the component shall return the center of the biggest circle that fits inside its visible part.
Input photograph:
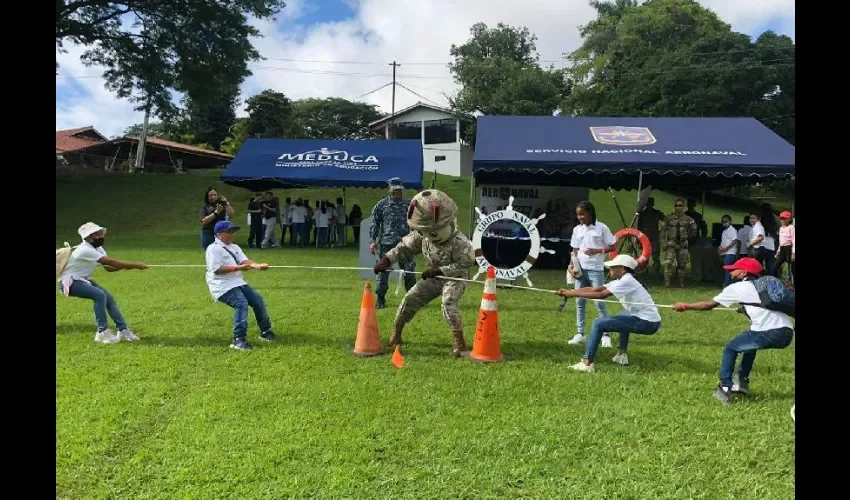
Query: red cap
(785, 215)
(748, 264)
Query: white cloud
(408, 31)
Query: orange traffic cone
(487, 345)
(368, 341)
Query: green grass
(179, 415)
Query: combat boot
(382, 302)
(395, 338)
(459, 348)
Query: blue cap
(225, 225)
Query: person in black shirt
(214, 209)
(702, 227)
(255, 208)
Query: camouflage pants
(675, 258)
(424, 292)
(382, 280)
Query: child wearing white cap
(74, 281)
(640, 315)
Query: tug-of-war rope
(402, 272)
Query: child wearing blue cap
(225, 263)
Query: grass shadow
(74, 328)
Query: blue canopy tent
(628, 153)
(265, 164)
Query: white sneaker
(581, 367)
(128, 335)
(621, 359)
(577, 339)
(106, 337)
(606, 340)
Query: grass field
(179, 415)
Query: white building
(440, 132)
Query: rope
(448, 278)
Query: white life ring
(530, 227)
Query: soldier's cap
(395, 183)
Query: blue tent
(264, 164)
(599, 152)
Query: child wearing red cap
(787, 246)
(769, 329)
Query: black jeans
(784, 256)
(255, 238)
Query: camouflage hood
(433, 214)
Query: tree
(334, 118)
(197, 48)
(270, 115)
(677, 58)
(238, 133)
(210, 120)
(499, 74)
(165, 130)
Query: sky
(343, 48)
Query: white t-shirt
(762, 319)
(340, 214)
(744, 238)
(83, 262)
(769, 243)
(298, 215)
(628, 289)
(217, 256)
(596, 236)
(321, 219)
(729, 235)
(758, 230)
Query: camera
(221, 201)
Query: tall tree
(270, 115)
(197, 47)
(334, 118)
(499, 74)
(236, 138)
(164, 130)
(677, 58)
(210, 118)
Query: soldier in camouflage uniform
(677, 229)
(433, 217)
(389, 226)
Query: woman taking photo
(213, 210)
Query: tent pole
(345, 207)
(471, 203)
(640, 187)
(702, 212)
(321, 196)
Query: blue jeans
(323, 237)
(104, 303)
(207, 239)
(588, 278)
(748, 343)
(728, 260)
(624, 324)
(341, 230)
(240, 298)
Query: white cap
(623, 260)
(88, 229)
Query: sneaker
(723, 394)
(106, 337)
(606, 340)
(581, 367)
(576, 340)
(621, 359)
(269, 336)
(739, 385)
(128, 335)
(241, 345)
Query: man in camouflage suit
(389, 226)
(677, 229)
(432, 216)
